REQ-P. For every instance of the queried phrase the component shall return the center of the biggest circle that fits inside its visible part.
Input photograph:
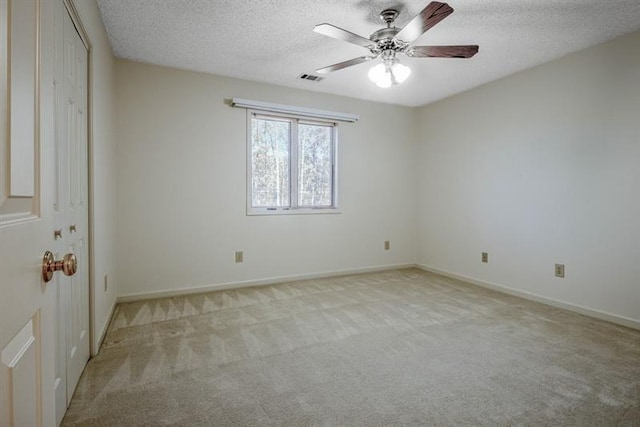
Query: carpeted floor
(402, 347)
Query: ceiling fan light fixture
(400, 72)
(378, 74)
(389, 74)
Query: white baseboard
(613, 318)
(105, 327)
(258, 282)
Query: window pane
(315, 169)
(270, 163)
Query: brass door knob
(68, 265)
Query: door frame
(84, 37)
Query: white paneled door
(44, 325)
(70, 205)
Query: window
(291, 165)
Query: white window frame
(294, 209)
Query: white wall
(182, 186)
(539, 168)
(103, 166)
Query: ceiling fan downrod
(384, 36)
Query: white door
(70, 205)
(35, 173)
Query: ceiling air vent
(310, 77)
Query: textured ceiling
(272, 41)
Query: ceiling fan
(388, 42)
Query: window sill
(299, 211)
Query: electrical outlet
(485, 257)
(559, 270)
(239, 256)
(387, 245)
(106, 283)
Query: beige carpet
(402, 347)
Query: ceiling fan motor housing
(384, 33)
(385, 39)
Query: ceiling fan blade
(340, 34)
(442, 51)
(345, 64)
(430, 16)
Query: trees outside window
(291, 163)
